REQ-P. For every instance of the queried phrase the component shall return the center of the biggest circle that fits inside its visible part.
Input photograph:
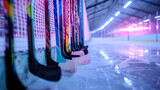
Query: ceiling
(99, 11)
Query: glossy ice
(114, 66)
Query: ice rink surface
(114, 66)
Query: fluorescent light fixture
(111, 19)
(125, 6)
(146, 20)
(117, 13)
(157, 17)
(134, 25)
(101, 27)
(107, 23)
(140, 23)
(95, 31)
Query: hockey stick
(51, 72)
(49, 59)
(12, 79)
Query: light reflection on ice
(117, 69)
(111, 62)
(104, 54)
(128, 81)
(157, 64)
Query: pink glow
(157, 27)
(157, 53)
(134, 25)
(131, 29)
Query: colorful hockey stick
(66, 29)
(67, 26)
(60, 59)
(49, 59)
(51, 72)
(12, 79)
(77, 36)
(82, 41)
(81, 27)
(75, 43)
(73, 48)
(61, 29)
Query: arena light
(125, 6)
(140, 23)
(107, 23)
(157, 17)
(134, 25)
(117, 13)
(146, 20)
(111, 19)
(102, 27)
(95, 31)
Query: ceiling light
(157, 17)
(111, 19)
(117, 13)
(125, 6)
(146, 20)
(140, 23)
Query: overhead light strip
(117, 13)
(112, 18)
(125, 6)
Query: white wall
(151, 37)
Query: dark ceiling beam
(97, 11)
(151, 3)
(100, 16)
(97, 4)
(129, 7)
(116, 20)
(116, 17)
(111, 24)
(140, 10)
(123, 19)
(121, 12)
(137, 9)
(128, 14)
